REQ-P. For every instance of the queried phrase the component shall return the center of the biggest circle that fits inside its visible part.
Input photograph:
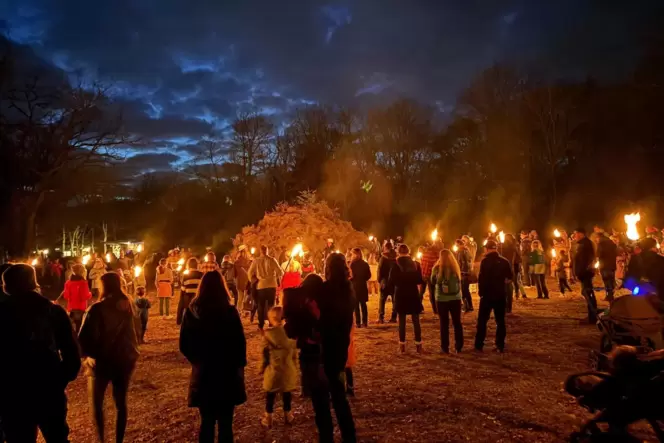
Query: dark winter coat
(494, 270)
(336, 304)
(39, 352)
(361, 273)
(109, 334)
(405, 278)
(607, 253)
(228, 272)
(213, 341)
(511, 252)
(584, 258)
(464, 260)
(387, 261)
(525, 248)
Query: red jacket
(77, 295)
(429, 259)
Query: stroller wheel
(605, 344)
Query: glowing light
(485, 242)
(85, 259)
(206, 258)
(186, 272)
(337, 252)
(108, 258)
(179, 268)
(597, 264)
(253, 251)
(636, 290)
(455, 248)
(493, 228)
(137, 271)
(34, 262)
(553, 253)
(371, 238)
(139, 248)
(46, 251)
(181, 262)
(301, 254)
(556, 233)
(501, 237)
(419, 255)
(296, 250)
(434, 235)
(631, 220)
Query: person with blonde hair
(538, 268)
(446, 285)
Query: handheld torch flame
(631, 220)
(434, 235)
(556, 233)
(597, 264)
(137, 271)
(419, 256)
(34, 262)
(455, 248)
(108, 258)
(501, 237)
(253, 251)
(139, 248)
(181, 262)
(186, 272)
(485, 242)
(371, 238)
(85, 259)
(493, 228)
(296, 250)
(553, 253)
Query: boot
(402, 348)
(418, 348)
(266, 421)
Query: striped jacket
(191, 281)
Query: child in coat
(352, 358)
(561, 272)
(164, 283)
(279, 372)
(77, 295)
(143, 305)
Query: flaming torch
(501, 237)
(85, 259)
(631, 220)
(455, 248)
(139, 248)
(485, 242)
(108, 258)
(371, 238)
(556, 233)
(294, 253)
(137, 271)
(34, 262)
(253, 251)
(553, 252)
(180, 263)
(597, 264)
(419, 256)
(493, 228)
(434, 235)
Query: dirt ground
(513, 397)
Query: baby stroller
(631, 320)
(631, 392)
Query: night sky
(183, 68)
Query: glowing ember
(556, 233)
(631, 220)
(296, 250)
(501, 237)
(434, 235)
(137, 271)
(493, 228)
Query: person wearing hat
(38, 362)
(495, 273)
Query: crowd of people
(107, 310)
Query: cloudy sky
(185, 67)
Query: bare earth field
(514, 397)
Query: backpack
(450, 286)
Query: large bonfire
(309, 221)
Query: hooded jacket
(76, 293)
(279, 354)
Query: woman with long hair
(336, 304)
(406, 277)
(212, 339)
(360, 275)
(538, 268)
(109, 338)
(446, 281)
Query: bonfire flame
(631, 220)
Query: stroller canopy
(638, 312)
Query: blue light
(636, 290)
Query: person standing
(109, 339)
(561, 272)
(164, 284)
(582, 264)
(405, 277)
(607, 254)
(512, 253)
(40, 357)
(429, 259)
(242, 264)
(209, 263)
(191, 279)
(227, 270)
(465, 262)
(360, 276)
(77, 295)
(267, 272)
(143, 306)
(495, 273)
(385, 265)
(525, 258)
(538, 269)
(95, 274)
(446, 281)
(212, 339)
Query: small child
(279, 373)
(561, 272)
(350, 362)
(143, 305)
